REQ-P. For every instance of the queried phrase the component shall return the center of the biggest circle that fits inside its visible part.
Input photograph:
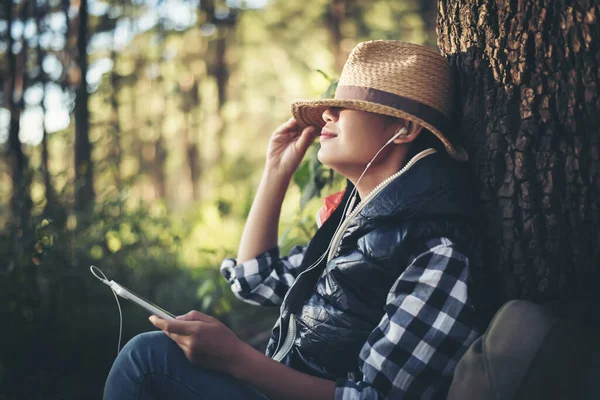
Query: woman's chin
(324, 158)
(333, 159)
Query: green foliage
(329, 93)
(178, 145)
(311, 176)
(44, 241)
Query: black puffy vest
(340, 303)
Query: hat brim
(310, 113)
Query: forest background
(135, 133)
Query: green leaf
(311, 190)
(330, 92)
(225, 305)
(284, 237)
(324, 74)
(302, 174)
(207, 250)
(27, 313)
(206, 302)
(205, 288)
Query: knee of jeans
(145, 352)
(142, 343)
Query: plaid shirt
(427, 326)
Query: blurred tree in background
(133, 135)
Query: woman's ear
(408, 133)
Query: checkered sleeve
(264, 280)
(429, 323)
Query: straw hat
(394, 78)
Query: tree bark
(528, 112)
(84, 178)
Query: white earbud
(399, 133)
(350, 205)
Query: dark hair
(424, 141)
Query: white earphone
(345, 213)
(350, 204)
(401, 132)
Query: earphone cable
(347, 210)
(104, 280)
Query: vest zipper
(287, 345)
(289, 340)
(282, 351)
(337, 237)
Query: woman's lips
(327, 135)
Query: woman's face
(350, 138)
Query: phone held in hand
(139, 300)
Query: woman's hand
(288, 145)
(205, 341)
(210, 344)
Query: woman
(377, 305)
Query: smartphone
(139, 300)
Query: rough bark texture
(528, 110)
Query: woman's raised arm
(286, 149)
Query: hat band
(422, 111)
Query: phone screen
(135, 295)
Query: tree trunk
(84, 178)
(51, 207)
(221, 74)
(334, 17)
(19, 165)
(190, 101)
(193, 155)
(528, 111)
(116, 125)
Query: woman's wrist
(276, 178)
(280, 168)
(239, 367)
(276, 380)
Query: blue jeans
(152, 366)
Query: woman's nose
(329, 115)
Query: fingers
(306, 138)
(173, 326)
(195, 316)
(177, 338)
(290, 125)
